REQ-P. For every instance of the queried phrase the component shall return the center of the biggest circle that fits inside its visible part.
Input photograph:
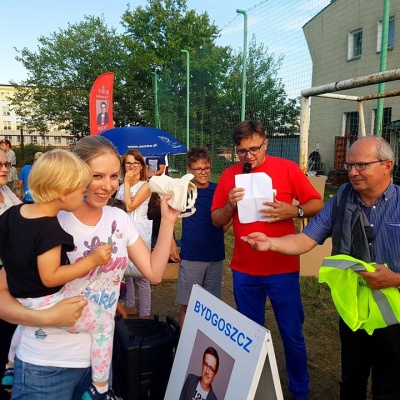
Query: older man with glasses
(363, 219)
(256, 275)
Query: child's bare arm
(64, 313)
(53, 274)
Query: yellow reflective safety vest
(359, 306)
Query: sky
(24, 21)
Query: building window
(354, 45)
(34, 139)
(351, 124)
(386, 118)
(57, 140)
(390, 35)
(387, 115)
(6, 111)
(7, 125)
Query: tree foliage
(269, 104)
(156, 35)
(62, 72)
(161, 30)
(65, 65)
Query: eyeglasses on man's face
(252, 150)
(132, 164)
(6, 164)
(209, 367)
(200, 170)
(361, 166)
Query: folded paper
(257, 189)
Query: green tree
(65, 65)
(62, 72)
(157, 34)
(266, 99)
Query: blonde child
(38, 272)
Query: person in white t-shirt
(58, 182)
(135, 193)
(67, 370)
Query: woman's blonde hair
(90, 147)
(55, 173)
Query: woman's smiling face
(131, 164)
(105, 171)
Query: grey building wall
(327, 38)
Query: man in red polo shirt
(258, 275)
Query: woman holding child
(66, 373)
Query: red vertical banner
(101, 104)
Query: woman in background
(5, 145)
(7, 200)
(135, 193)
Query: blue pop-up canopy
(149, 141)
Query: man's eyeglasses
(6, 164)
(252, 150)
(361, 166)
(200, 170)
(132, 164)
(209, 367)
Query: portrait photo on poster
(102, 112)
(209, 370)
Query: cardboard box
(171, 272)
(319, 184)
(310, 262)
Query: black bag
(143, 355)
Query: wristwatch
(300, 212)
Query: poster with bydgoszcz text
(222, 355)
